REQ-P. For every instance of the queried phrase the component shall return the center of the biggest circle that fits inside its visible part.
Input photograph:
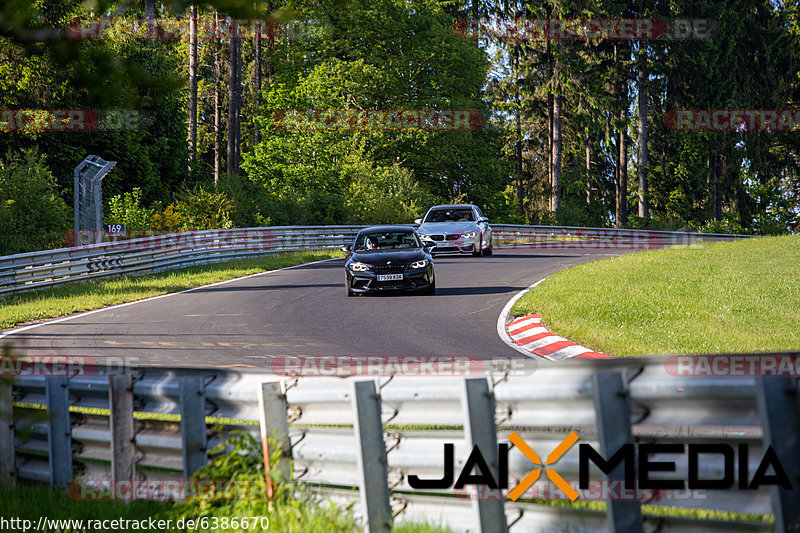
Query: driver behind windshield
(386, 241)
(455, 215)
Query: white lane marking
(223, 314)
(501, 323)
(87, 313)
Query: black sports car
(388, 258)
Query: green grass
(741, 296)
(30, 501)
(76, 297)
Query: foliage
(387, 195)
(238, 462)
(200, 208)
(126, 208)
(167, 220)
(398, 54)
(32, 214)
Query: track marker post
(192, 402)
(123, 451)
(779, 409)
(7, 457)
(372, 467)
(613, 410)
(274, 424)
(480, 430)
(59, 430)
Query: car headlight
(470, 235)
(359, 267)
(419, 264)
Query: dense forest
(237, 113)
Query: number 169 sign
(114, 230)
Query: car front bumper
(362, 282)
(461, 245)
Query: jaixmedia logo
(636, 460)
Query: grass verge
(71, 298)
(728, 297)
(235, 489)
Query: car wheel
(430, 290)
(479, 246)
(489, 250)
(479, 252)
(349, 291)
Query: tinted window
(450, 215)
(391, 240)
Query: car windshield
(388, 240)
(450, 215)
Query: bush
(126, 208)
(167, 220)
(203, 209)
(725, 225)
(240, 462)
(385, 195)
(32, 214)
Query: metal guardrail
(511, 236)
(338, 429)
(147, 255)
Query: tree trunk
(587, 144)
(192, 83)
(621, 152)
(518, 144)
(641, 169)
(716, 196)
(257, 88)
(217, 103)
(234, 106)
(548, 53)
(150, 15)
(555, 197)
(622, 175)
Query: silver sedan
(456, 228)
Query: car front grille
(389, 269)
(437, 237)
(453, 237)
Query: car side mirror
(483, 219)
(346, 248)
(418, 221)
(429, 245)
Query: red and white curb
(527, 335)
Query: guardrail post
(193, 425)
(372, 468)
(59, 433)
(480, 430)
(120, 401)
(778, 408)
(274, 424)
(7, 458)
(613, 409)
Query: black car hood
(380, 257)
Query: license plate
(443, 244)
(390, 277)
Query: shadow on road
(448, 291)
(230, 288)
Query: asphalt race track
(304, 311)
